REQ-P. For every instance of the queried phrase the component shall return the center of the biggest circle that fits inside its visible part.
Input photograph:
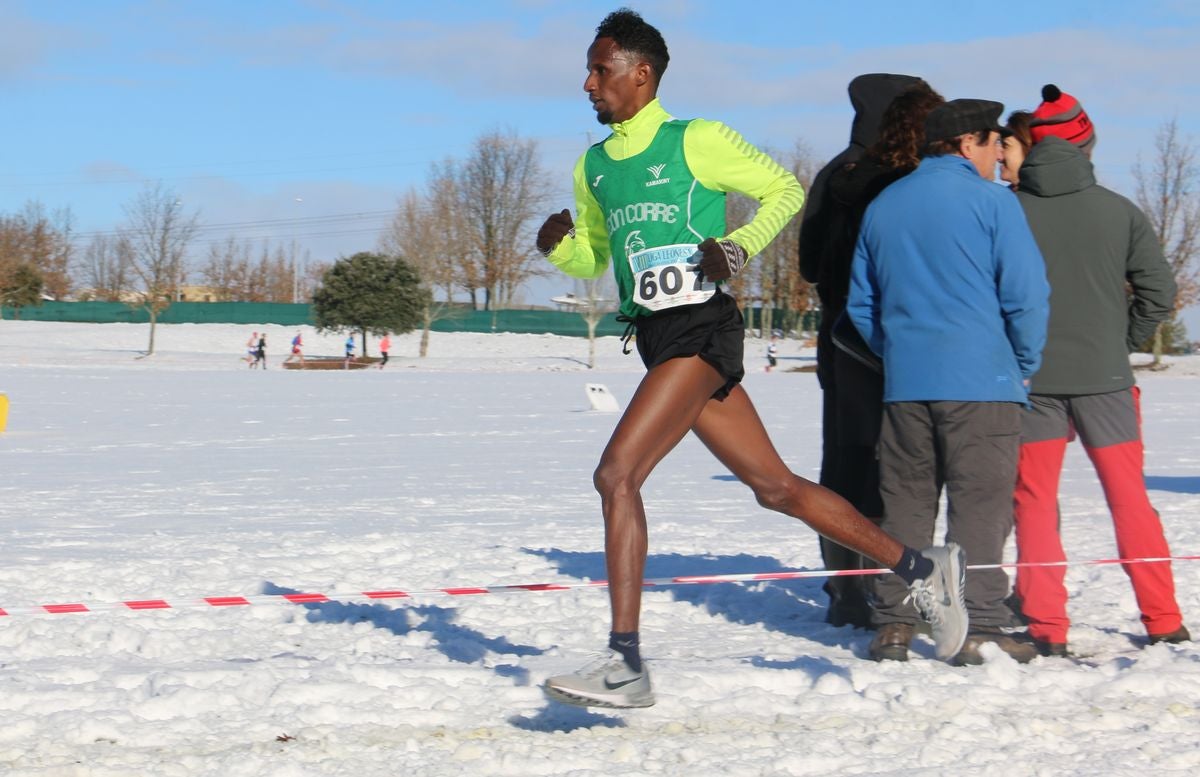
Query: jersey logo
(656, 171)
(634, 242)
(596, 182)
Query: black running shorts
(713, 330)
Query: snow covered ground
(186, 475)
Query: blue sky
(302, 112)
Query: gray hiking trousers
(971, 449)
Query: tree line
(466, 234)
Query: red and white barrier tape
(316, 598)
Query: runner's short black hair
(631, 32)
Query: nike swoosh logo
(610, 685)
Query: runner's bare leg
(733, 431)
(666, 404)
(672, 399)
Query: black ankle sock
(913, 566)
(626, 643)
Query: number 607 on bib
(669, 276)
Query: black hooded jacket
(870, 95)
(851, 190)
(1093, 241)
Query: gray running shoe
(607, 681)
(939, 598)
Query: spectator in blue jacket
(949, 288)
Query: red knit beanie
(1061, 114)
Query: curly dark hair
(1018, 122)
(632, 34)
(902, 128)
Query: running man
(297, 345)
(651, 198)
(251, 357)
(260, 351)
(385, 345)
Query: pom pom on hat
(1061, 115)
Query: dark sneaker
(1019, 646)
(1173, 638)
(939, 598)
(607, 681)
(891, 642)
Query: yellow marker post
(3, 411)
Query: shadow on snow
(565, 719)
(456, 642)
(792, 607)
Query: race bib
(668, 276)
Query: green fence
(525, 321)
(538, 322)
(177, 313)
(522, 321)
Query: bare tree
(106, 267)
(1167, 193)
(739, 210)
(13, 239)
(772, 281)
(792, 294)
(277, 275)
(40, 241)
(227, 271)
(304, 282)
(598, 298)
(427, 234)
(278, 271)
(501, 195)
(50, 247)
(159, 232)
(21, 289)
(444, 195)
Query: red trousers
(1109, 425)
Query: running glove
(554, 230)
(721, 259)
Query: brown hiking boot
(1019, 646)
(1052, 649)
(1172, 638)
(891, 642)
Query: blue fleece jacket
(949, 288)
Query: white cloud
(24, 44)
(1130, 79)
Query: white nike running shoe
(606, 681)
(939, 598)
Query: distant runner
(297, 345)
(251, 356)
(385, 345)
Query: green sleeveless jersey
(653, 201)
